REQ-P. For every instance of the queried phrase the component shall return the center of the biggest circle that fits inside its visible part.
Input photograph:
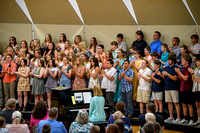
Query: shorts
(186, 97)
(157, 95)
(172, 96)
(197, 96)
(143, 96)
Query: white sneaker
(184, 121)
(177, 120)
(191, 122)
(169, 120)
(197, 122)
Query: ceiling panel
(105, 12)
(10, 12)
(162, 12)
(195, 8)
(52, 12)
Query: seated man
(56, 127)
(150, 109)
(7, 114)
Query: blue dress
(64, 80)
(96, 111)
(117, 96)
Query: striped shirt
(196, 85)
(96, 111)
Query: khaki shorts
(157, 95)
(171, 96)
(143, 96)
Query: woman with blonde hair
(85, 58)
(79, 73)
(9, 50)
(97, 102)
(82, 49)
(68, 47)
(77, 40)
(72, 58)
(59, 60)
(16, 127)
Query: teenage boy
(147, 54)
(144, 88)
(140, 44)
(108, 77)
(175, 46)
(154, 57)
(171, 89)
(132, 52)
(121, 44)
(156, 44)
(186, 95)
(196, 86)
(101, 52)
(126, 76)
(114, 49)
(157, 91)
(195, 47)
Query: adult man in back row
(156, 44)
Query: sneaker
(191, 122)
(169, 119)
(177, 120)
(197, 122)
(184, 121)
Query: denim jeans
(127, 99)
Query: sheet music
(86, 97)
(78, 96)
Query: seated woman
(96, 111)
(120, 106)
(39, 113)
(16, 127)
(81, 124)
(2, 126)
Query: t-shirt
(157, 87)
(196, 85)
(195, 49)
(186, 85)
(22, 128)
(164, 57)
(7, 115)
(144, 85)
(169, 83)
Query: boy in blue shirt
(171, 89)
(131, 52)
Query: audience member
(150, 117)
(156, 44)
(120, 124)
(149, 127)
(97, 102)
(112, 128)
(54, 124)
(16, 127)
(144, 88)
(140, 43)
(150, 109)
(2, 125)
(81, 123)
(126, 76)
(46, 128)
(158, 128)
(39, 113)
(95, 129)
(7, 114)
(120, 106)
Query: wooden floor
(136, 129)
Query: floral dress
(79, 82)
(23, 83)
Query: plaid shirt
(126, 85)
